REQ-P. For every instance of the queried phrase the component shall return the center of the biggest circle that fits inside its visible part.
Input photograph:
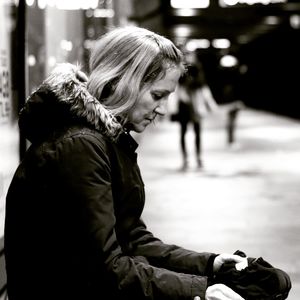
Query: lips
(149, 119)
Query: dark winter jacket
(73, 227)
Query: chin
(138, 128)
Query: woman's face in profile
(152, 101)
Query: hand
(224, 257)
(221, 292)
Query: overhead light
(228, 61)
(51, 61)
(224, 3)
(271, 20)
(194, 44)
(228, 2)
(76, 4)
(221, 43)
(182, 31)
(185, 12)
(42, 4)
(295, 21)
(243, 69)
(65, 5)
(243, 39)
(31, 60)
(30, 2)
(189, 3)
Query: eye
(157, 96)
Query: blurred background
(250, 52)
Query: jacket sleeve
(85, 170)
(172, 257)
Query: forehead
(169, 81)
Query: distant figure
(195, 101)
(231, 103)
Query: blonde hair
(126, 60)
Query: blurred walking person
(195, 101)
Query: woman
(73, 226)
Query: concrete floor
(246, 197)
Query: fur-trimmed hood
(62, 100)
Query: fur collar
(63, 99)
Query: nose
(161, 108)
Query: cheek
(146, 105)
(137, 113)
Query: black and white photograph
(149, 149)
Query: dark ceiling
(265, 40)
(240, 23)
